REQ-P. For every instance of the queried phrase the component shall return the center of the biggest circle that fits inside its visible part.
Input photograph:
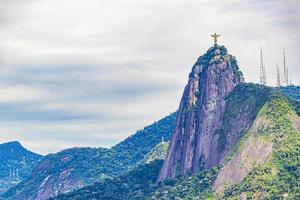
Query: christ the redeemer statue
(215, 36)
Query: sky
(91, 73)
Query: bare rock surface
(254, 151)
(52, 185)
(297, 123)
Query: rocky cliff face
(198, 139)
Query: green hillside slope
(276, 176)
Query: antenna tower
(278, 76)
(285, 71)
(262, 78)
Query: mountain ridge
(74, 168)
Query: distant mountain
(77, 167)
(16, 163)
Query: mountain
(232, 140)
(200, 136)
(78, 167)
(16, 163)
(264, 161)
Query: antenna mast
(262, 78)
(278, 76)
(285, 71)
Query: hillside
(264, 162)
(77, 167)
(269, 155)
(16, 163)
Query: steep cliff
(198, 139)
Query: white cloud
(21, 93)
(66, 65)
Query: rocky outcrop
(198, 135)
(52, 185)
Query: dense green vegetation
(16, 164)
(278, 178)
(137, 184)
(93, 164)
(199, 186)
(292, 91)
(135, 147)
(140, 184)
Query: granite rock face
(195, 141)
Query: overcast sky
(90, 73)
